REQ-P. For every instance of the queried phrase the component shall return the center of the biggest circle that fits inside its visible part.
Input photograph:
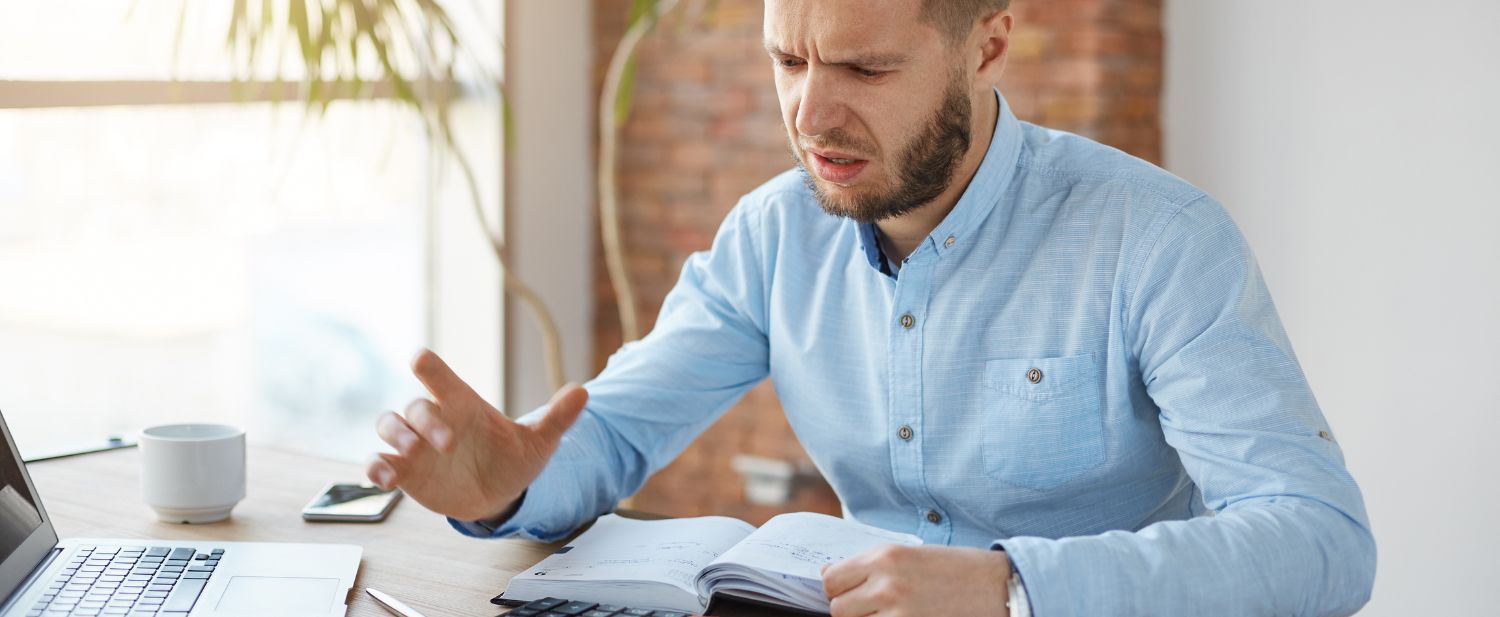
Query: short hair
(955, 18)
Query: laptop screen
(18, 513)
(26, 536)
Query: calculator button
(574, 608)
(545, 603)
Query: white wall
(550, 199)
(1357, 142)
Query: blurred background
(179, 244)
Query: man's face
(877, 107)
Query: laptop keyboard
(128, 580)
(554, 607)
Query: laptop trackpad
(272, 595)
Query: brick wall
(706, 129)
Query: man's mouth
(836, 167)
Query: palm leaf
(416, 49)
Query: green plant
(416, 50)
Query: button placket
(904, 361)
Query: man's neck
(902, 235)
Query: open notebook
(679, 564)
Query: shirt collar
(990, 182)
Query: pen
(391, 604)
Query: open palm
(458, 455)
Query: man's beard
(923, 170)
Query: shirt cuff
(541, 506)
(487, 528)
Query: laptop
(41, 576)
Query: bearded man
(1054, 363)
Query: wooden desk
(413, 555)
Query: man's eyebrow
(859, 59)
(775, 50)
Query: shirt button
(950, 242)
(1324, 435)
(933, 517)
(904, 433)
(907, 321)
(1034, 375)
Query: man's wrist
(493, 523)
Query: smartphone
(358, 503)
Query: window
(171, 251)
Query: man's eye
(868, 72)
(789, 62)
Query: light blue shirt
(1088, 363)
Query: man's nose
(821, 107)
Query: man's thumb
(562, 411)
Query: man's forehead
(853, 26)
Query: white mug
(192, 473)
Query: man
(1056, 364)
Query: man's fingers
(440, 380)
(858, 603)
(843, 576)
(383, 470)
(423, 417)
(562, 411)
(396, 432)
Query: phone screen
(353, 500)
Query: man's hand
(918, 580)
(458, 455)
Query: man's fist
(918, 580)
(458, 455)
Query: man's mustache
(837, 139)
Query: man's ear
(992, 36)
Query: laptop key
(184, 594)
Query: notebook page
(798, 544)
(668, 551)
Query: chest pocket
(1044, 425)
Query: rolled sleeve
(657, 394)
(1287, 532)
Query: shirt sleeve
(1287, 532)
(656, 395)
